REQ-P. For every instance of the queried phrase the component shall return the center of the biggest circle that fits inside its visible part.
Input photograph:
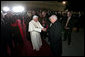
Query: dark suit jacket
(71, 22)
(54, 35)
(54, 32)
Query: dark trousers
(56, 48)
(67, 34)
(43, 35)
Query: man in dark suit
(6, 39)
(68, 27)
(2, 38)
(54, 35)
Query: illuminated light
(18, 9)
(6, 9)
(64, 2)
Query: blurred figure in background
(68, 27)
(44, 23)
(3, 48)
(6, 34)
(44, 33)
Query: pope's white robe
(35, 29)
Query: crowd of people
(16, 28)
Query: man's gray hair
(53, 17)
(35, 16)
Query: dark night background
(75, 5)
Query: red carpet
(27, 50)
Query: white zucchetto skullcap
(53, 17)
(35, 16)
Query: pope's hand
(44, 29)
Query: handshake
(44, 29)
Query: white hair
(53, 17)
(35, 16)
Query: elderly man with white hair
(54, 36)
(35, 28)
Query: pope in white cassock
(35, 28)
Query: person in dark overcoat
(54, 36)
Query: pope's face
(36, 19)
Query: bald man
(54, 34)
(35, 28)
